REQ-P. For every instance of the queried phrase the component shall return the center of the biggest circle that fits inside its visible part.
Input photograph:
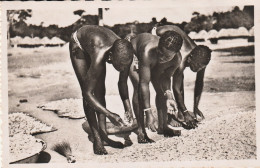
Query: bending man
(90, 48)
(158, 60)
(197, 58)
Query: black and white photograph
(129, 84)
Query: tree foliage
(79, 12)
(230, 19)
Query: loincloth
(76, 48)
(75, 38)
(136, 61)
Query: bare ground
(228, 132)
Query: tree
(24, 14)
(154, 20)
(79, 12)
(11, 14)
(236, 8)
(196, 13)
(200, 22)
(164, 20)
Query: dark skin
(150, 70)
(178, 77)
(90, 69)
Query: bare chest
(167, 68)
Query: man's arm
(123, 91)
(165, 79)
(95, 70)
(91, 80)
(177, 88)
(198, 88)
(165, 84)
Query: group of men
(162, 58)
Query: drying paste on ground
(23, 123)
(22, 146)
(71, 108)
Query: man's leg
(81, 66)
(91, 117)
(134, 77)
(142, 135)
(139, 114)
(167, 132)
(180, 115)
(100, 92)
(162, 113)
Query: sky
(65, 17)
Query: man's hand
(189, 120)
(116, 120)
(128, 118)
(150, 121)
(172, 107)
(197, 113)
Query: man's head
(121, 54)
(199, 58)
(169, 44)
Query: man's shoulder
(95, 30)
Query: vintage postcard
(129, 83)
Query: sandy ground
(228, 132)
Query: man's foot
(114, 144)
(128, 141)
(150, 122)
(160, 131)
(148, 139)
(171, 133)
(91, 138)
(99, 148)
(109, 142)
(142, 138)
